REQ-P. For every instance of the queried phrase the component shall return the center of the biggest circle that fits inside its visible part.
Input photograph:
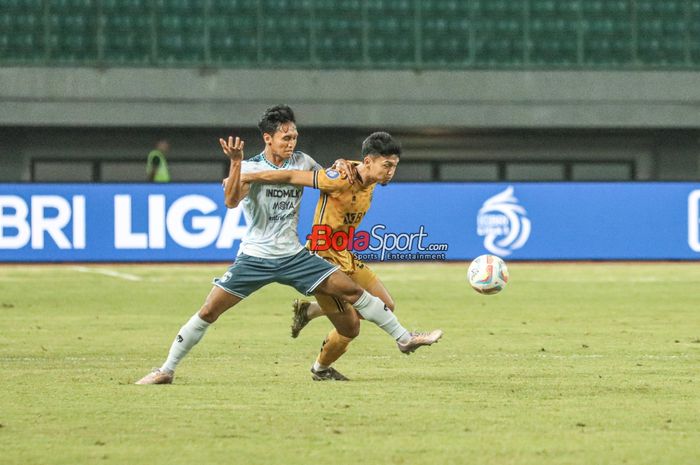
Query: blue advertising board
(426, 221)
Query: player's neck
(273, 158)
(363, 175)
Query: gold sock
(333, 347)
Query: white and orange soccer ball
(488, 274)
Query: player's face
(283, 141)
(382, 168)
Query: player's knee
(209, 314)
(341, 286)
(350, 331)
(206, 315)
(352, 291)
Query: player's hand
(346, 169)
(233, 148)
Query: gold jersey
(341, 206)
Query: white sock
(374, 310)
(319, 367)
(188, 337)
(314, 311)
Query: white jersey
(272, 210)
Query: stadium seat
(553, 32)
(22, 31)
(127, 31)
(607, 32)
(180, 33)
(391, 32)
(233, 32)
(286, 37)
(375, 33)
(662, 32)
(73, 32)
(338, 33)
(694, 31)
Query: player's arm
(234, 189)
(346, 168)
(294, 177)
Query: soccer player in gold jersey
(341, 207)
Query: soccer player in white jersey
(271, 251)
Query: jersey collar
(284, 165)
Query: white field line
(113, 274)
(474, 356)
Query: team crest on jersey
(332, 174)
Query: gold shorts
(361, 274)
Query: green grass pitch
(571, 364)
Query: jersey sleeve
(329, 181)
(249, 167)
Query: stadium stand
(366, 34)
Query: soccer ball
(488, 274)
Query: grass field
(571, 364)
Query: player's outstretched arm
(234, 189)
(295, 177)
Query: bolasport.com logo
(376, 244)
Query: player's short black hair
(381, 143)
(274, 117)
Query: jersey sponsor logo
(283, 193)
(353, 217)
(694, 220)
(332, 174)
(503, 223)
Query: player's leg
(375, 310)
(305, 272)
(340, 286)
(216, 303)
(317, 276)
(303, 312)
(366, 278)
(244, 277)
(335, 344)
(376, 287)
